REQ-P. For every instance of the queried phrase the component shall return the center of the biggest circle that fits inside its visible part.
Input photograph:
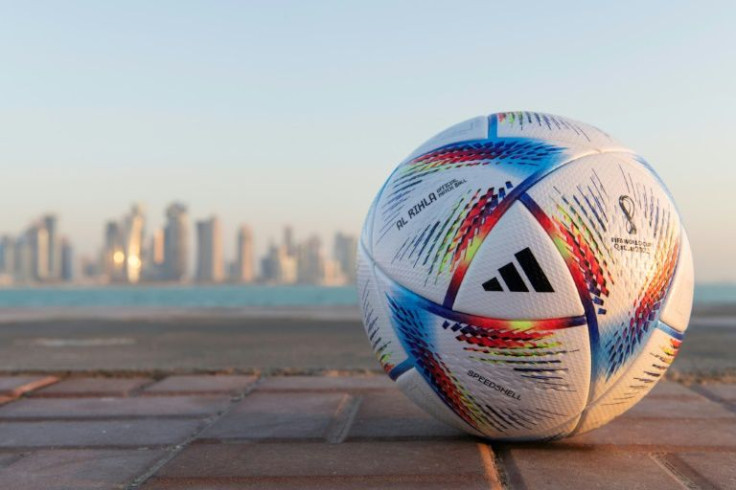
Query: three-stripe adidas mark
(513, 280)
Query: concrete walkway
(233, 431)
(197, 342)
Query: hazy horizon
(295, 113)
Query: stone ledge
(93, 387)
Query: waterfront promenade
(257, 340)
(226, 400)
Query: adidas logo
(513, 280)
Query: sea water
(231, 296)
(217, 296)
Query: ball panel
(376, 321)
(472, 129)
(366, 233)
(413, 385)
(614, 220)
(548, 127)
(518, 273)
(418, 390)
(421, 241)
(679, 303)
(437, 207)
(507, 379)
(435, 210)
(635, 382)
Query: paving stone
(327, 383)
(699, 408)
(451, 464)
(554, 468)
(391, 415)
(671, 389)
(718, 469)
(278, 416)
(661, 432)
(416, 482)
(724, 391)
(116, 433)
(61, 408)
(93, 387)
(18, 385)
(78, 468)
(196, 384)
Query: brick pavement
(232, 431)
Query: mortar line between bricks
(731, 407)
(682, 420)
(343, 418)
(329, 481)
(267, 389)
(169, 394)
(27, 388)
(136, 392)
(176, 449)
(687, 471)
(513, 478)
(94, 447)
(674, 473)
(489, 466)
(643, 448)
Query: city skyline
(132, 252)
(293, 112)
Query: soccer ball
(523, 276)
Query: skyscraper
(244, 263)
(279, 267)
(210, 266)
(67, 261)
(39, 242)
(310, 261)
(176, 234)
(50, 223)
(34, 256)
(23, 259)
(346, 249)
(268, 264)
(156, 254)
(122, 253)
(133, 227)
(7, 255)
(113, 256)
(332, 274)
(153, 258)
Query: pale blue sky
(279, 112)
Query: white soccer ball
(524, 276)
